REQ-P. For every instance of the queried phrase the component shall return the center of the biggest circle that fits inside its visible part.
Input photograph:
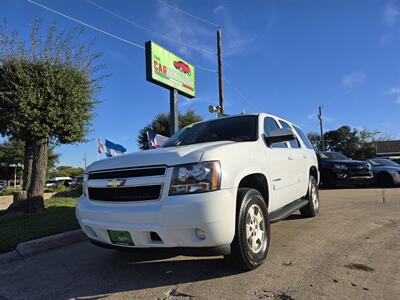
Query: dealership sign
(168, 70)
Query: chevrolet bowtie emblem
(116, 182)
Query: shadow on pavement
(127, 271)
(83, 270)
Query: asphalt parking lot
(350, 251)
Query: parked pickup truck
(214, 187)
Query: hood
(385, 168)
(347, 162)
(169, 156)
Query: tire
(312, 207)
(250, 245)
(385, 179)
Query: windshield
(236, 129)
(333, 156)
(383, 162)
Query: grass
(6, 192)
(59, 216)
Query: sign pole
(173, 111)
(220, 80)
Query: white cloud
(218, 9)
(234, 40)
(180, 28)
(190, 32)
(353, 79)
(396, 92)
(391, 13)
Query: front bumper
(346, 177)
(396, 178)
(173, 218)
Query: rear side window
(303, 137)
(293, 143)
(269, 125)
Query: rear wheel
(252, 235)
(312, 207)
(385, 179)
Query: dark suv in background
(337, 169)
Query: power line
(189, 14)
(86, 24)
(206, 69)
(240, 93)
(147, 29)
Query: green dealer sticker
(170, 71)
(120, 237)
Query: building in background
(388, 149)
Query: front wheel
(312, 207)
(252, 235)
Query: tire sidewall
(313, 183)
(251, 259)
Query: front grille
(110, 174)
(355, 172)
(126, 194)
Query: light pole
(15, 175)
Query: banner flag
(155, 140)
(113, 149)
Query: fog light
(200, 234)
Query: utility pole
(322, 145)
(173, 111)
(220, 78)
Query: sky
(281, 57)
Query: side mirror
(279, 135)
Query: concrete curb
(9, 256)
(49, 242)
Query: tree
(353, 143)
(344, 140)
(11, 153)
(14, 152)
(66, 171)
(160, 125)
(46, 95)
(314, 139)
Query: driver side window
(269, 125)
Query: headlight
(369, 166)
(340, 167)
(84, 185)
(196, 178)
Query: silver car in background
(386, 172)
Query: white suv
(214, 186)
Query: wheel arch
(314, 172)
(257, 181)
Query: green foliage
(357, 144)
(160, 125)
(47, 89)
(65, 171)
(12, 152)
(6, 192)
(343, 139)
(314, 139)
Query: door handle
(305, 156)
(290, 157)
